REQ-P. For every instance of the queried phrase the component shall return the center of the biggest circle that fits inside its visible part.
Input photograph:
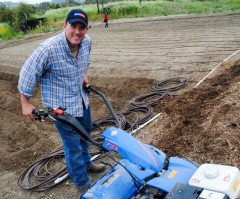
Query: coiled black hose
(109, 120)
(174, 84)
(148, 99)
(46, 180)
(147, 112)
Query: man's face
(75, 33)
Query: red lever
(85, 83)
(58, 112)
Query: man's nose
(78, 30)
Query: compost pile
(204, 123)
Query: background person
(105, 17)
(59, 65)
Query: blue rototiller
(144, 172)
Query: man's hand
(27, 108)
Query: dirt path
(127, 58)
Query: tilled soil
(200, 121)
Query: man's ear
(64, 24)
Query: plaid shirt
(58, 73)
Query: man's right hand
(27, 108)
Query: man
(59, 65)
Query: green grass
(133, 9)
(7, 33)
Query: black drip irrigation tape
(146, 110)
(148, 99)
(43, 179)
(130, 119)
(109, 120)
(168, 85)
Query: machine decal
(112, 146)
(195, 180)
(149, 154)
(236, 185)
(226, 178)
(172, 174)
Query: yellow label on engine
(236, 185)
(172, 174)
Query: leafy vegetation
(56, 14)
(7, 32)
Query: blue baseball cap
(77, 15)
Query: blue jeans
(77, 156)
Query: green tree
(23, 12)
(43, 7)
(8, 16)
(55, 6)
(69, 3)
(2, 7)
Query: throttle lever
(86, 86)
(39, 114)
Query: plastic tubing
(216, 68)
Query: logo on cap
(79, 14)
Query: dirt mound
(204, 123)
